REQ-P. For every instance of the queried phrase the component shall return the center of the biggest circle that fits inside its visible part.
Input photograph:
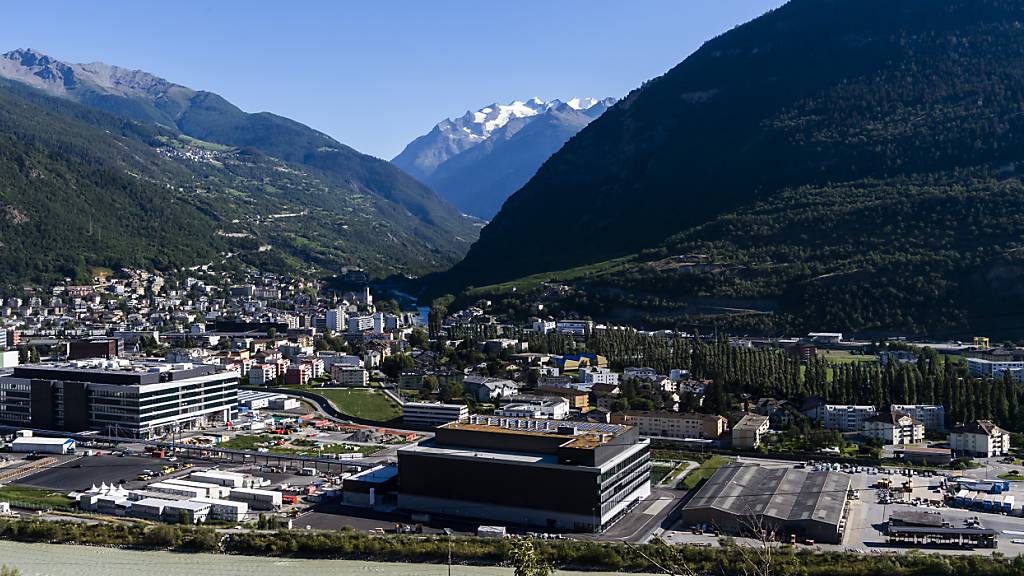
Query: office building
(981, 368)
(430, 414)
(527, 473)
(118, 398)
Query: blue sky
(375, 74)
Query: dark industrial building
(106, 348)
(524, 472)
(783, 501)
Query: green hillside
(82, 188)
(834, 164)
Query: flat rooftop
(117, 371)
(576, 434)
(428, 447)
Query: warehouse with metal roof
(741, 498)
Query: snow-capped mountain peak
(495, 149)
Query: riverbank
(69, 560)
(394, 555)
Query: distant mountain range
(479, 159)
(848, 165)
(366, 212)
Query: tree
(394, 365)
(418, 338)
(523, 557)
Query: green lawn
(702, 472)
(666, 472)
(659, 472)
(843, 356)
(33, 497)
(362, 403)
(1011, 476)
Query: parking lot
(83, 472)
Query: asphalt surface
(83, 473)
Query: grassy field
(361, 403)
(702, 472)
(33, 496)
(844, 356)
(536, 280)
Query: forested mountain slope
(83, 188)
(814, 92)
(833, 164)
(400, 202)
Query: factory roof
(781, 493)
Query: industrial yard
(886, 509)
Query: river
(69, 560)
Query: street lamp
(448, 531)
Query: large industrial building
(527, 472)
(740, 498)
(117, 397)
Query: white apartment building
(981, 368)
(350, 375)
(336, 320)
(842, 417)
(894, 429)
(638, 373)
(980, 439)
(544, 326)
(359, 324)
(594, 375)
(677, 374)
(933, 416)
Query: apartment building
(747, 433)
(980, 439)
(933, 416)
(981, 368)
(841, 417)
(894, 429)
(673, 424)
